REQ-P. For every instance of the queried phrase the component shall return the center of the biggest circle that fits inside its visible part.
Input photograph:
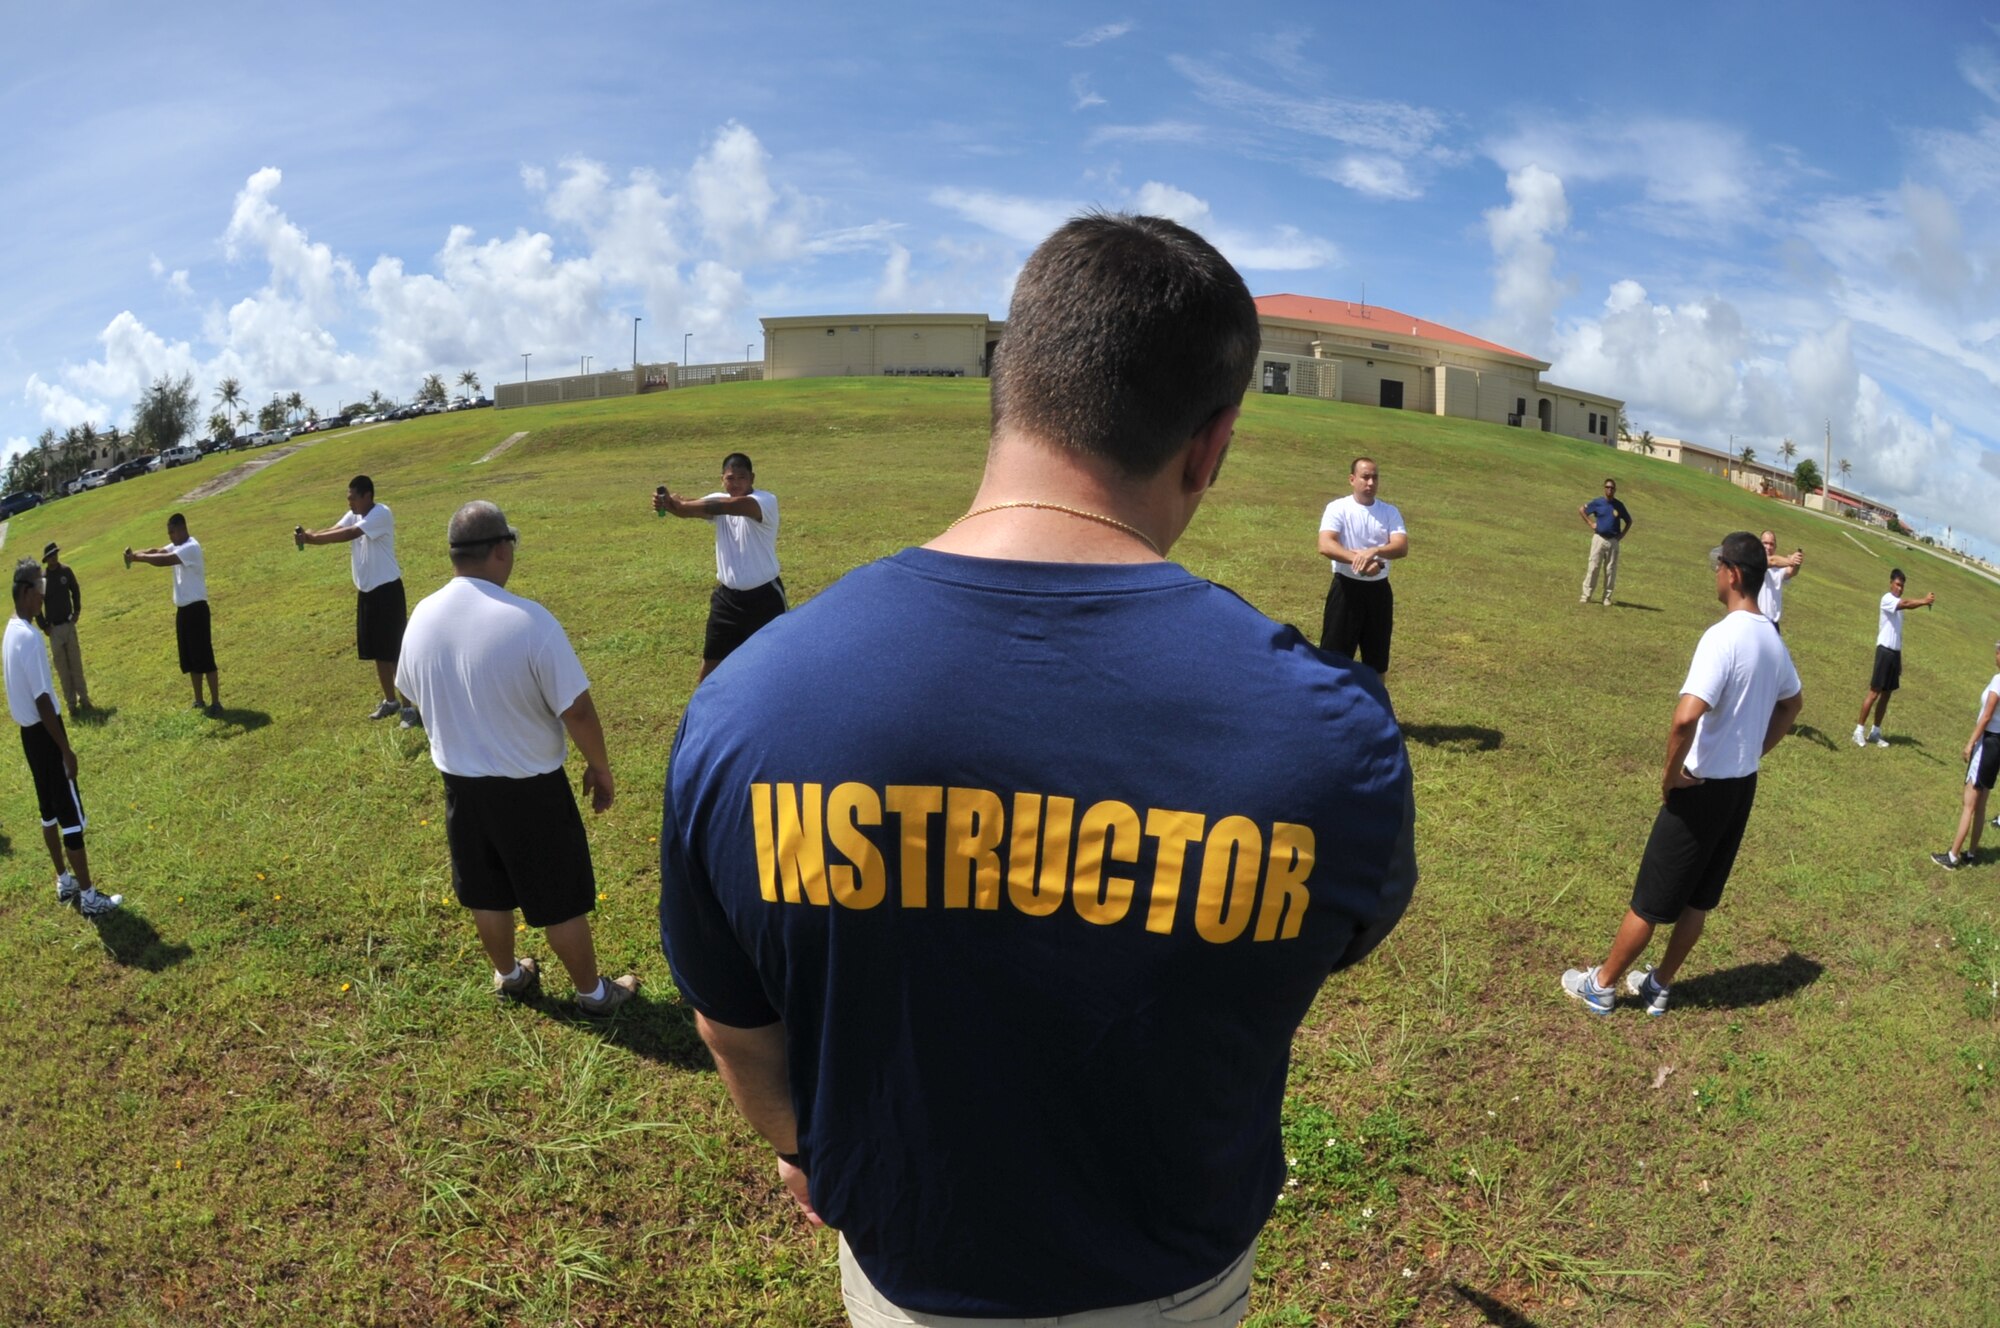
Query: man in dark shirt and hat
(62, 605)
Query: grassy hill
(275, 1088)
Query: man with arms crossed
(1771, 599)
(380, 607)
(1007, 974)
(182, 552)
(1740, 698)
(498, 682)
(1360, 534)
(51, 762)
(748, 592)
(1888, 674)
(62, 605)
(1982, 764)
(1608, 521)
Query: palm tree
(376, 401)
(1646, 441)
(293, 404)
(432, 390)
(1749, 455)
(1845, 468)
(220, 425)
(230, 394)
(469, 381)
(312, 414)
(45, 458)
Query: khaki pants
(68, 657)
(1604, 562)
(1220, 1302)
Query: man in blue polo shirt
(1608, 521)
(1001, 874)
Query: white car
(93, 479)
(179, 456)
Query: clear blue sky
(1742, 219)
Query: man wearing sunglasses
(1741, 695)
(1608, 521)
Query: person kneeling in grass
(1982, 763)
(1740, 697)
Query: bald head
(482, 543)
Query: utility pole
(635, 352)
(524, 366)
(1826, 479)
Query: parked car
(126, 470)
(94, 479)
(180, 456)
(19, 501)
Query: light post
(635, 352)
(746, 351)
(524, 366)
(586, 363)
(685, 338)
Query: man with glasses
(1771, 599)
(498, 684)
(1740, 697)
(1888, 674)
(1608, 521)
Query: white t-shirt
(1359, 527)
(1771, 599)
(746, 549)
(374, 551)
(491, 674)
(1992, 689)
(1890, 633)
(1742, 669)
(190, 574)
(27, 667)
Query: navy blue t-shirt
(1041, 866)
(1605, 512)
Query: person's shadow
(95, 716)
(1747, 984)
(661, 1031)
(1496, 1312)
(243, 721)
(1628, 604)
(131, 941)
(1460, 737)
(1812, 735)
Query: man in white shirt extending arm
(380, 607)
(1888, 674)
(748, 590)
(192, 633)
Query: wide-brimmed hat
(49, 550)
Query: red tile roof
(1374, 318)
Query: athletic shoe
(1647, 988)
(387, 710)
(411, 719)
(1947, 861)
(1860, 736)
(1582, 984)
(523, 982)
(617, 991)
(67, 888)
(1875, 736)
(92, 904)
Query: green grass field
(275, 1089)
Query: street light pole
(524, 366)
(685, 336)
(746, 352)
(635, 350)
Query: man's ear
(1207, 448)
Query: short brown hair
(1126, 334)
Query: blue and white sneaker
(92, 904)
(1582, 984)
(1647, 988)
(67, 888)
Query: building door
(1392, 394)
(1545, 413)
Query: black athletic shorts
(55, 791)
(1359, 614)
(1692, 848)
(1888, 675)
(735, 615)
(519, 843)
(379, 615)
(191, 634)
(1985, 764)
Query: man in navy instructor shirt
(1608, 521)
(1001, 874)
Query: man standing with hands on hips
(1360, 534)
(62, 605)
(748, 591)
(380, 608)
(182, 552)
(1608, 521)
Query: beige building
(1372, 356)
(912, 345)
(1771, 480)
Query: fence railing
(623, 383)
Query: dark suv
(19, 502)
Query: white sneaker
(387, 710)
(411, 719)
(1647, 988)
(67, 888)
(92, 904)
(1875, 736)
(1860, 736)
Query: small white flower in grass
(1324, 1265)
(1292, 1183)
(1367, 1213)
(1409, 1272)
(1491, 1114)
(1291, 1161)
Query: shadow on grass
(95, 716)
(1495, 1311)
(247, 721)
(131, 941)
(1813, 735)
(1748, 984)
(661, 1031)
(1468, 737)
(1628, 604)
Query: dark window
(1593, 423)
(1277, 378)
(1520, 405)
(1392, 394)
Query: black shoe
(1947, 861)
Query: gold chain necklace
(1098, 517)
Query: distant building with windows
(1372, 356)
(1771, 480)
(899, 345)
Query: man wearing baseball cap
(1741, 695)
(62, 605)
